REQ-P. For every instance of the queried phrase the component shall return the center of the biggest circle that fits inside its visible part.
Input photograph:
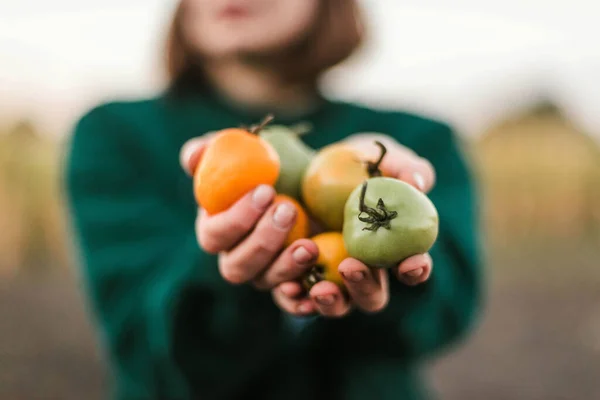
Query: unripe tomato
(301, 228)
(294, 156)
(331, 253)
(386, 221)
(235, 162)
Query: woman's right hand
(249, 237)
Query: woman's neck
(254, 88)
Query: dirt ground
(539, 338)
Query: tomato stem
(377, 218)
(255, 130)
(314, 276)
(373, 167)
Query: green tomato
(294, 155)
(386, 221)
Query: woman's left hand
(368, 288)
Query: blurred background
(519, 79)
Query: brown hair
(337, 34)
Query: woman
(211, 309)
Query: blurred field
(32, 225)
(539, 338)
(540, 180)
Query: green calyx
(379, 217)
(314, 276)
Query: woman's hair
(337, 34)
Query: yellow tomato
(332, 252)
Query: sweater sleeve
(137, 252)
(442, 311)
(425, 319)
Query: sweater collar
(191, 101)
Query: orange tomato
(332, 252)
(235, 162)
(301, 228)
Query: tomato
(236, 161)
(294, 155)
(331, 253)
(387, 220)
(301, 228)
(330, 178)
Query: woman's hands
(367, 288)
(249, 236)
(249, 239)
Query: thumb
(419, 173)
(191, 152)
(400, 162)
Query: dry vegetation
(540, 180)
(32, 219)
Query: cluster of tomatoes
(363, 214)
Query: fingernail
(326, 300)
(287, 291)
(262, 196)
(284, 214)
(415, 273)
(301, 255)
(305, 308)
(419, 180)
(355, 276)
(186, 156)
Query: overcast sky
(471, 61)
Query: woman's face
(225, 28)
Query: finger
(257, 251)
(365, 144)
(409, 168)
(292, 289)
(368, 288)
(290, 265)
(292, 304)
(419, 173)
(399, 162)
(415, 270)
(329, 299)
(191, 152)
(220, 232)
